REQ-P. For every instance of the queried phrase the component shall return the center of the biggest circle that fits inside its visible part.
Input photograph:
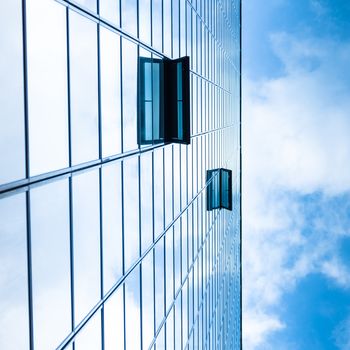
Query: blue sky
(296, 108)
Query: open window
(163, 101)
(219, 190)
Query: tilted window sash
(219, 190)
(163, 101)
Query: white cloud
(296, 143)
(341, 335)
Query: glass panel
(114, 321)
(145, 20)
(158, 132)
(90, 4)
(129, 16)
(49, 208)
(168, 177)
(158, 181)
(109, 9)
(84, 99)
(170, 330)
(131, 211)
(112, 225)
(90, 335)
(86, 237)
(146, 201)
(157, 24)
(147, 300)
(159, 282)
(47, 86)
(12, 156)
(132, 310)
(110, 92)
(129, 50)
(167, 28)
(177, 255)
(13, 276)
(169, 267)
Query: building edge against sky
(107, 243)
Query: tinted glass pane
(131, 211)
(83, 73)
(47, 86)
(86, 237)
(13, 276)
(110, 92)
(50, 264)
(12, 158)
(112, 225)
(129, 50)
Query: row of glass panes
(63, 129)
(50, 222)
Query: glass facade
(107, 243)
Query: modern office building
(116, 231)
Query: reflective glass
(12, 147)
(158, 180)
(145, 20)
(50, 263)
(168, 179)
(86, 238)
(109, 9)
(129, 16)
(13, 274)
(159, 282)
(111, 225)
(147, 300)
(167, 28)
(157, 24)
(129, 61)
(90, 335)
(47, 86)
(83, 87)
(170, 330)
(146, 201)
(131, 211)
(169, 267)
(110, 92)
(90, 4)
(132, 310)
(114, 321)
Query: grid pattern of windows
(105, 243)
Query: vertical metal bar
(71, 227)
(140, 251)
(240, 167)
(100, 151)
(27, 172)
